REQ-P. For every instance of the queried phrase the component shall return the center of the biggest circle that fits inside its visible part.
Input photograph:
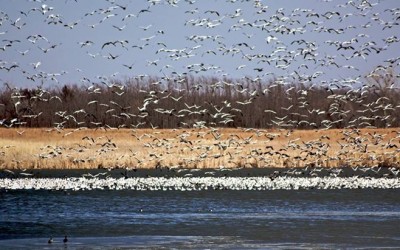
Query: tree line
(198, 101)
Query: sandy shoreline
(40, 148)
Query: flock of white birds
(199, 183)
(337, 44)
(332, 42)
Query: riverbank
(40, 148)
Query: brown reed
(39, 148)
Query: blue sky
(218, 38)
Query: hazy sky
(65, 41)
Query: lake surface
(201, 219)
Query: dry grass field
(41, 148)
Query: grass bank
(40, 148)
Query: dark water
(240, 172)
(205, 219)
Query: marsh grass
(38, 148)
